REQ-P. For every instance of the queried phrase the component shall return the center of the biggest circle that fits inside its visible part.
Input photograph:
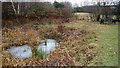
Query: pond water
(21, 52)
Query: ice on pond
(21, 52)
(47, 47)
(25, 51)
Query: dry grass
(74, 43)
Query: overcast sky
(79, 2)
(82, 2)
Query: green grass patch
(108, 42)
(39, 53)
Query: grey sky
(79, 2)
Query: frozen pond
(47, 46)
(21, 52)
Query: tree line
(101, 8)
(36, 9)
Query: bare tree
(13, 7)
(17, 11)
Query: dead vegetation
(73, 49)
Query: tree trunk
(18, 10)
(13, 7)
(98, 17)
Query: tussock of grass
(40, 54)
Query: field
(107, 42)
(81, 43)
(109, 46)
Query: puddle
(21, 52)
